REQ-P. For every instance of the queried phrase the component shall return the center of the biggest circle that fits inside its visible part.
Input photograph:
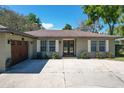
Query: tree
(90, 27)
(34, 21)
(119, 30)
(11, 19)
(17, 22)
(108, 14)
(83, 27)
(67, 27)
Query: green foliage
(55, 55)
(40, 55)
(119, 50)
(32, 18)
(109, 54)
(100, 55)
(83, 55)
(119, 30)
(109, 14)
(67, 27)
(17, 22)
(8, 62)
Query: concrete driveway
(64, 73)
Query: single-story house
(18, 46)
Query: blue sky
(53, 17)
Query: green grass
(118, 59)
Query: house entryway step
(69, 58)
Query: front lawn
(118, 59)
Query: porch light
(9, 41)
(32, 42)
(23, 39)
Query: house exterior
(72, 42)
(17, 46)
(120, 40)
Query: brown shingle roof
(66, 33)
(17, 33)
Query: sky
(53, 17)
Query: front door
(68, 48)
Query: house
(72, 42)
(17, 46)
(120, 40)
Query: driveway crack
(64, 75)
(114, 74)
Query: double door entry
(68, 48)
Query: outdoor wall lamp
(31, 42)
(23, 39)
(9, 41)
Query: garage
(19, 51)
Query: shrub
(55, 55)
(34, 56)
(45, 56)
(83, 55)
(39, 55)
(99, 55)
(8, 62)
(109, 55)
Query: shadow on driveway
(27, 67)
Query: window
(102, 46)
(52, 46)
(43, 45)
(93, 46)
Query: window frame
(52, 47)
(95, 45)
(43, 45)
(102, 45)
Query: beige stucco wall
(60, 44)
(2, 52)
(82, 45)
(5, 48)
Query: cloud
(48, 25)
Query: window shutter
(38, 45)
(57, 46)
(89, 45)
(107, 45)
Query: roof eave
(17, 33)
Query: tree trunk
(111, 29)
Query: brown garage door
(19, 51)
